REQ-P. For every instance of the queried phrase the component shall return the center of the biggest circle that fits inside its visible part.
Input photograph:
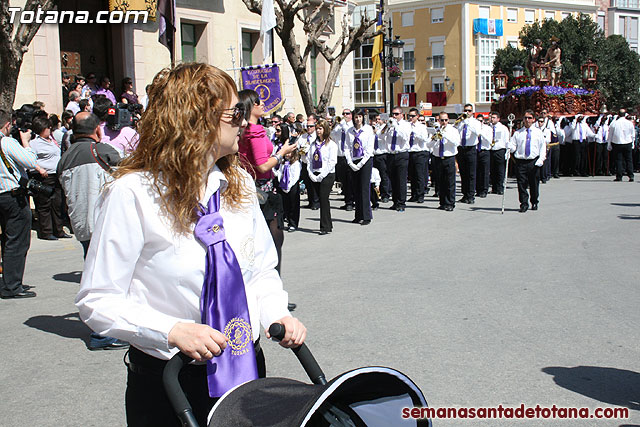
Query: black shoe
(556, 176)
(63, 236)
(500, 193)
(27, 287)
(291, 306)
(436, 194)
(52, 237)
(463, 200)
(323, 232)
(448, 208)
(482, 195)
(534, 207)
(617, 180)
(400, 210)
(366, 222)
(23, 294)
(412, 199)
(630, 179)
(441, 207)
(471, 201)
(315, 208)
(355, 221)
(385, 200)
(523, 208)
(394, 207)
(114, 345)
(374, 208)
(420, 201)
(349, 208)
(291, 228)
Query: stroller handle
(174, 392)
(308, 362)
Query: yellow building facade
(445, 52)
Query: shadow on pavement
(629, 216)
(67, 326)
(73, 277)
(626, 205)
(609, 385)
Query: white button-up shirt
(473, 130)
(339, 135)
(621, 131)
(382, 141)
(366, 137)
(420, 137)
(401, 131)
(329, 155)
(501, 136)
(449, 142)
(537, 146)
(140, 278)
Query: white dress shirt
(294, 174)
(581, 130)
(367, 138)
(140, 278)
(304, 143)
(473, 130)
(329, 155)
(621, 131)
(485, 137)
(537, 146)
(380, 141)
(401, 130)
(449, 142)
(339, 135)
(420, 137)
(603, 134)
(545, 132)
(501, 136)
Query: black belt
(526, 160)
(141, 363)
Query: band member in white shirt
(530, 150)
(339, 135)
(483, 162)
(444, 147)
(581, 133)
(418, 156)
(545, 170)
(381, 158)
(304, 142)
(323, 157)
(469, 129)
(359, 155)
(397, 136)
(602, 134)
(621, 137)
(553, 156)
(499, 141)
(288, 175)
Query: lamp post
(395, 53)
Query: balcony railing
(626, 4)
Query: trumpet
(437, 136)
(463, 116)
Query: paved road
(478, 308)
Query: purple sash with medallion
(223, 304)
(316, 161)
(358, 152)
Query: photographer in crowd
(15, 214)
(124, 140)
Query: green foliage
(581, 39)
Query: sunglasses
(236, 115)
(412, 115)
(468, 111)
(528, 118)
(311, 126)
(444, 120)
(346, 113)
(397, 114)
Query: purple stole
(357, 145)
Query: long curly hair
(179, 134)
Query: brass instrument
(463, 116)
(438, 135)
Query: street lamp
(395, 55)
(517, 71)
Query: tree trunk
(9, 71)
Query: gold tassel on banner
(150, 6)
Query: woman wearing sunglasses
(179, 241)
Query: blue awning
(490, 27)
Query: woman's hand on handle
(295, 332)
(198, 341)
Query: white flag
(267, 22)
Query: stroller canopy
(372, 396)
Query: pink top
(255, 149)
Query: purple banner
(265, 80)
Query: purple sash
(358, 152)
(316, 161)
(284, 181)
(223, 304)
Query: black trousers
(567, 159)
(624, 160)
(344, 177)
(291, 203)
(147, 404)
(312, 196)
(15, 220)
(362, 186)
(601, 159)
(435, 176)
(580, 157)
(467, 158)
(380, 162)
(483, 168)
(418, 174)
(554, 159)
(323, 188)
(49, 208)
(528, 176)
(399, 169)
(446, 172)
(498, 166)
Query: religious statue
(552, 58)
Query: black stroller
(371, 396)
